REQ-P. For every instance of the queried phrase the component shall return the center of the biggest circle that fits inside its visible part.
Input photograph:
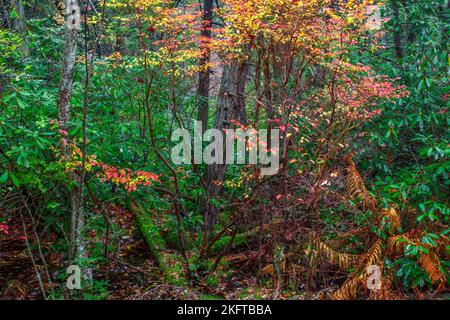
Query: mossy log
(167, 261)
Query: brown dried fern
(431, 264)
(428, 261)
(391, 218)
(356, 187)
(350, 287)
(396, 244)
(343, 260)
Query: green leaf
(22, 105)
(4, 177)
(14, 179)
(13, 14)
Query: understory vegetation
(92, 92)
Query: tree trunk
(204, 73)
(230, 106)
(19, 25)
(398, 30)
(77, 249)
(5, 15)
(65, 89)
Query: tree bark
(5, 15)
(398, 30)
(65, 88)
(77, 249)
(19, 25)
(204, 73)
(230, 106)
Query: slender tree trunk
(4, 23)
(77, 249)
(409, 32)
(119, 43)
(19, 25)
(65, 88)
(398, 30)
(5, 15)
(204, 73)
(230, 106)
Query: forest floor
(130, 273)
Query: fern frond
(375, 254)
(343, 260)
(349, 289)
(428, 261)
(397, 244)
(356, 187)
(391, 218)
(431, 264)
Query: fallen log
(167, 260)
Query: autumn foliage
(87, 178)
